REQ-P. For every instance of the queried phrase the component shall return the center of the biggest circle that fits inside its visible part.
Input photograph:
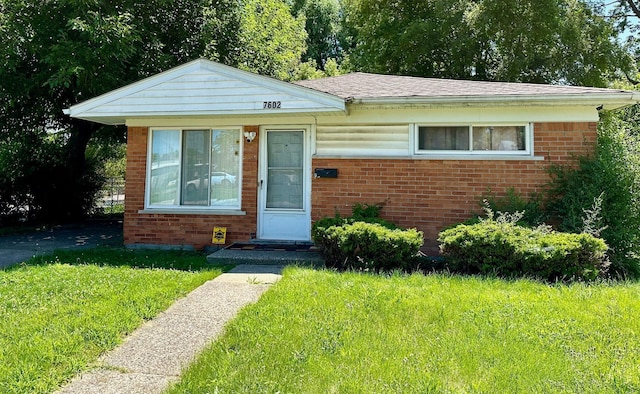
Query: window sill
(176, 211)
(438, 157)
(478, 157)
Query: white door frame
(266, 216)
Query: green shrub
(615, 170)
(507, 249)
(365, 241)
(368, 246)
(38, 181)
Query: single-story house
(212, 146)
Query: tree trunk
(81, 182)
(81, 133)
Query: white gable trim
(117, 106)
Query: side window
(473, 139)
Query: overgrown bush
(15, 199)
(38, 183)
(533, 213)
(610, 175)
(613, 172)
(364, 241)
(503, 248)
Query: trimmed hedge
(507, 249)
(358, 245)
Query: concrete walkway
(153, 356)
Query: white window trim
(471, 154)
(191, 209)
(177, 210)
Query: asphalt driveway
(18, 248)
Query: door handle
(261, 182)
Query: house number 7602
(271, 104)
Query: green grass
(59, 313)
(324, 332)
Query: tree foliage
(271, 40)
(58, 53)
(613, 173)
(543, 41)
(324, 29)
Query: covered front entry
(284, 184)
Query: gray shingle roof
(367, 86)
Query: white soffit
(204, 88)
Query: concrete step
(277, 257)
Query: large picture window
(473, 139)
(195, 168)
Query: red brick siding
(431, 194)
(427, 194)
(178, 229)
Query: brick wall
(427, 194)
(179, 229)
(431, 194)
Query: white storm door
(284, 203)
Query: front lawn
(325, 332)
(59, 313)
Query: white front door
(284, 200)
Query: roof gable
(202, 88)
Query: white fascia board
(143, 118)
(607, 100)
(111, 121)
(329, 103)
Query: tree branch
(631, 80)
(635, 7)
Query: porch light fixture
(249, 135)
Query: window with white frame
(474, 139)
(196, 168)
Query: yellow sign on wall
(219, 235)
